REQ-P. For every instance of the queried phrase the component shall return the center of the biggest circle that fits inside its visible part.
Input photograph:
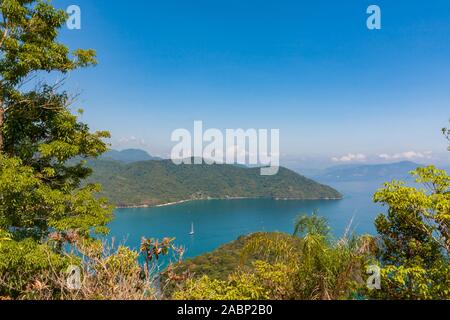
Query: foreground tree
(28, 44)
(415, 237)
(42, 203)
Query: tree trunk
(2, 120)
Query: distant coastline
(174, 203)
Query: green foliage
(40, 193)
(152, 249)
(160, 182)
(280, 266)
(415, 282)
(124, 261)
(42, 132)
(267, 281)
(31, 270)
(319, 268)
(415, 239)
(313, 225)
(239, 286)
(218, 264)
(29, 31)
(33, 208)
(21, 261)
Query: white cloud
(350, 157)
(409, 155)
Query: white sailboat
(192, 229)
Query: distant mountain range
(157, 182)
(128, 156)
(376, 172)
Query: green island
(160, 182)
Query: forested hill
(160, 182)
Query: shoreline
(174, 203)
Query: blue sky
(338, 92)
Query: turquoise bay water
(220, 221)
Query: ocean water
(217, 222)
